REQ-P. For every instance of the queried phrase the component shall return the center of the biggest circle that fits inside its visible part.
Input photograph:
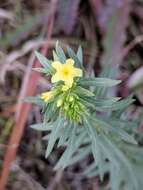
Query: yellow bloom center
(65, 72)
(46, 96)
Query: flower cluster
(65, 76)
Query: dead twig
(131, 45)
(6, 15)
(14, 55)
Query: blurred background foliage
(110, 33)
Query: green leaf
(122, 123)
(99, 82)
(83, 92)
(55, 56)
(136, 153)
(60, 53)
(106, 103)
(43, 126)
(49, 110)
(41, 70)
(74, 57)
(80, 54)
(82, 153)
(34, 100)
(122, 158)
(63, 161)
(120, 132)
(87, 103)
(54, 136)
(44, 61)
(109, 154)
(73, 148)
(97, 154)
(116, 177)
(65, 135)
(92, 170)
(101, 103)
(122, 104)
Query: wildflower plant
(79, 116)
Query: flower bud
(71, 98)
(59, 102)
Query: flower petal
(55, 78)
(69, 82)
(70, 62)
(56, 65)
(77, 72)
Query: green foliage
(44, 62)
(99, 82)
(93, 125)
(77, 58)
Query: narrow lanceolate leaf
(122, 104)
(120, 132)
(122, 123)
(116, 177)
(82, 153)
(90, 169)
(44, 126)
(60, 53)
(55, 56)
(118, 106)
(106, 103)
(34, 100)
(72, 55)
(80, 54)
(63, 161)
(54, 136)
(102, 103)
(99, 82)
(65, 135)
(74, 142)
(44, 61)
(42, 70)
(122, 158)
(97, 154)
(93, 171)
(72, 149)
(83, 92)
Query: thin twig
(131, 45)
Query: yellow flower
(46, 96)
(65, 72)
